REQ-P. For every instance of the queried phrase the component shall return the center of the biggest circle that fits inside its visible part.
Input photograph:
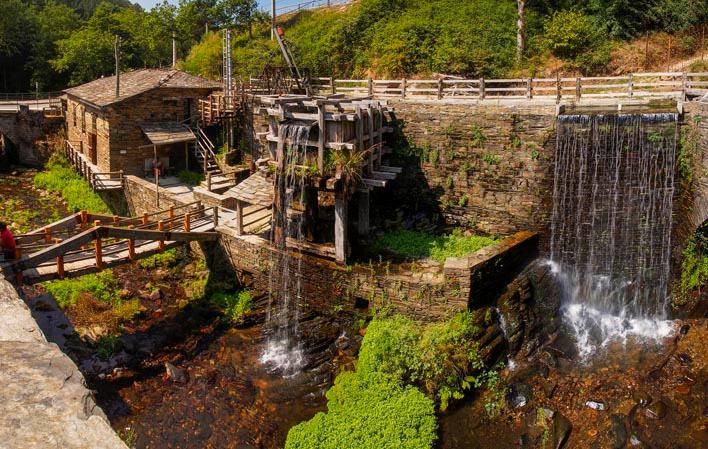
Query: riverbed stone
(561, 430)
(618, 432)
(656, 410)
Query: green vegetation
(694, 270)
(61, 178)
(381, 404)
(103, 286)
(108, 345)
(371, 411)
(436, 247)
(235, 305)
(190, 178)
(165, 259)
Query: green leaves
(436, 247)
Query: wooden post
(559, 93)
(84, 217)
(482, 93)
(529, 90)
(630, 85)
(363, 219)
(578, 88)
(215, 212)
(404, 83)
(145, 218)
(239, 217)
(208, 181)
(684, 85)
(340, 227)
(187, 221)
(161, 227)
(322, 125)
(370, 85)
(99, 254)
(333, 85)
(131, 246)
(47, 234)
(60, 261)
(440, 89)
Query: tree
(520, 4)
(17, 21)
(237, 13)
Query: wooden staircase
(205, 153)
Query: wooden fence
(657, 84)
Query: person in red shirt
(7, 242)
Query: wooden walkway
(85, 243)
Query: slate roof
(162, 133)
(255, 189)
(101, 92)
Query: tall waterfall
(611, 223)
(284, 351)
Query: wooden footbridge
(84, 243)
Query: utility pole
(272, 20)
(520, 44)
(174, 49)
(117, 55)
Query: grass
(235, 306)
(436, 247)
(190, 178)
(165, 259)
(103, 286)
(61, 178)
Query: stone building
(121, 129)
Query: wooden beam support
(161, 228)
(131, 246)
(340, 228)
(169, 236)
(322, 125)
(239, 217)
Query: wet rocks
(656, 410)
(618, 432)
(683, 330)
(561, 430)
(175, 374)
(596, 405)
(642, 398)
(519, 396)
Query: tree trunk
(520, 38)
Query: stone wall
(488, 168)
(24, 129)
(44, 402)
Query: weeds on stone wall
(190, 178)
(694, 269)
(437, 247)
(235, 305)
(689, 148)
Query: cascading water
(611, 224)
(284, 351)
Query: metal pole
(117, 55)
(174, 50)
(272, 20)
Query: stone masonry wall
(488, 168)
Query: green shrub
(575, 38)
(61, 178)
(436, 247)
(234, 305)
(108, 345)
(102, 285)
(368, 411)
(694, 270)
(190, 178)
(441, 359)
(165, 259)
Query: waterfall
(284, 352)
(611, 223)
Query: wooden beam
(340, 228)
(146, 234)
(322, 124)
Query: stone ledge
(44, 402)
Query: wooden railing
(218, 106)
(97, 180)
(656, 84)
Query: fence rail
(655, 84)
(312, 4)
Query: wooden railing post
(529, 91)
(208, 181)
(332, 85)
(161, 227)
(440, 89)
(145, 218)
(99, 247)
(684, 85)
(559, 92)
(482, 93)
(370, 86)
(84, 217)
(131, 246)
(578, 88)
(47, 235)
(630, 85)
(239, 218)
(216, 216)
(60, 261)
(187, 222)
(403, 87)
